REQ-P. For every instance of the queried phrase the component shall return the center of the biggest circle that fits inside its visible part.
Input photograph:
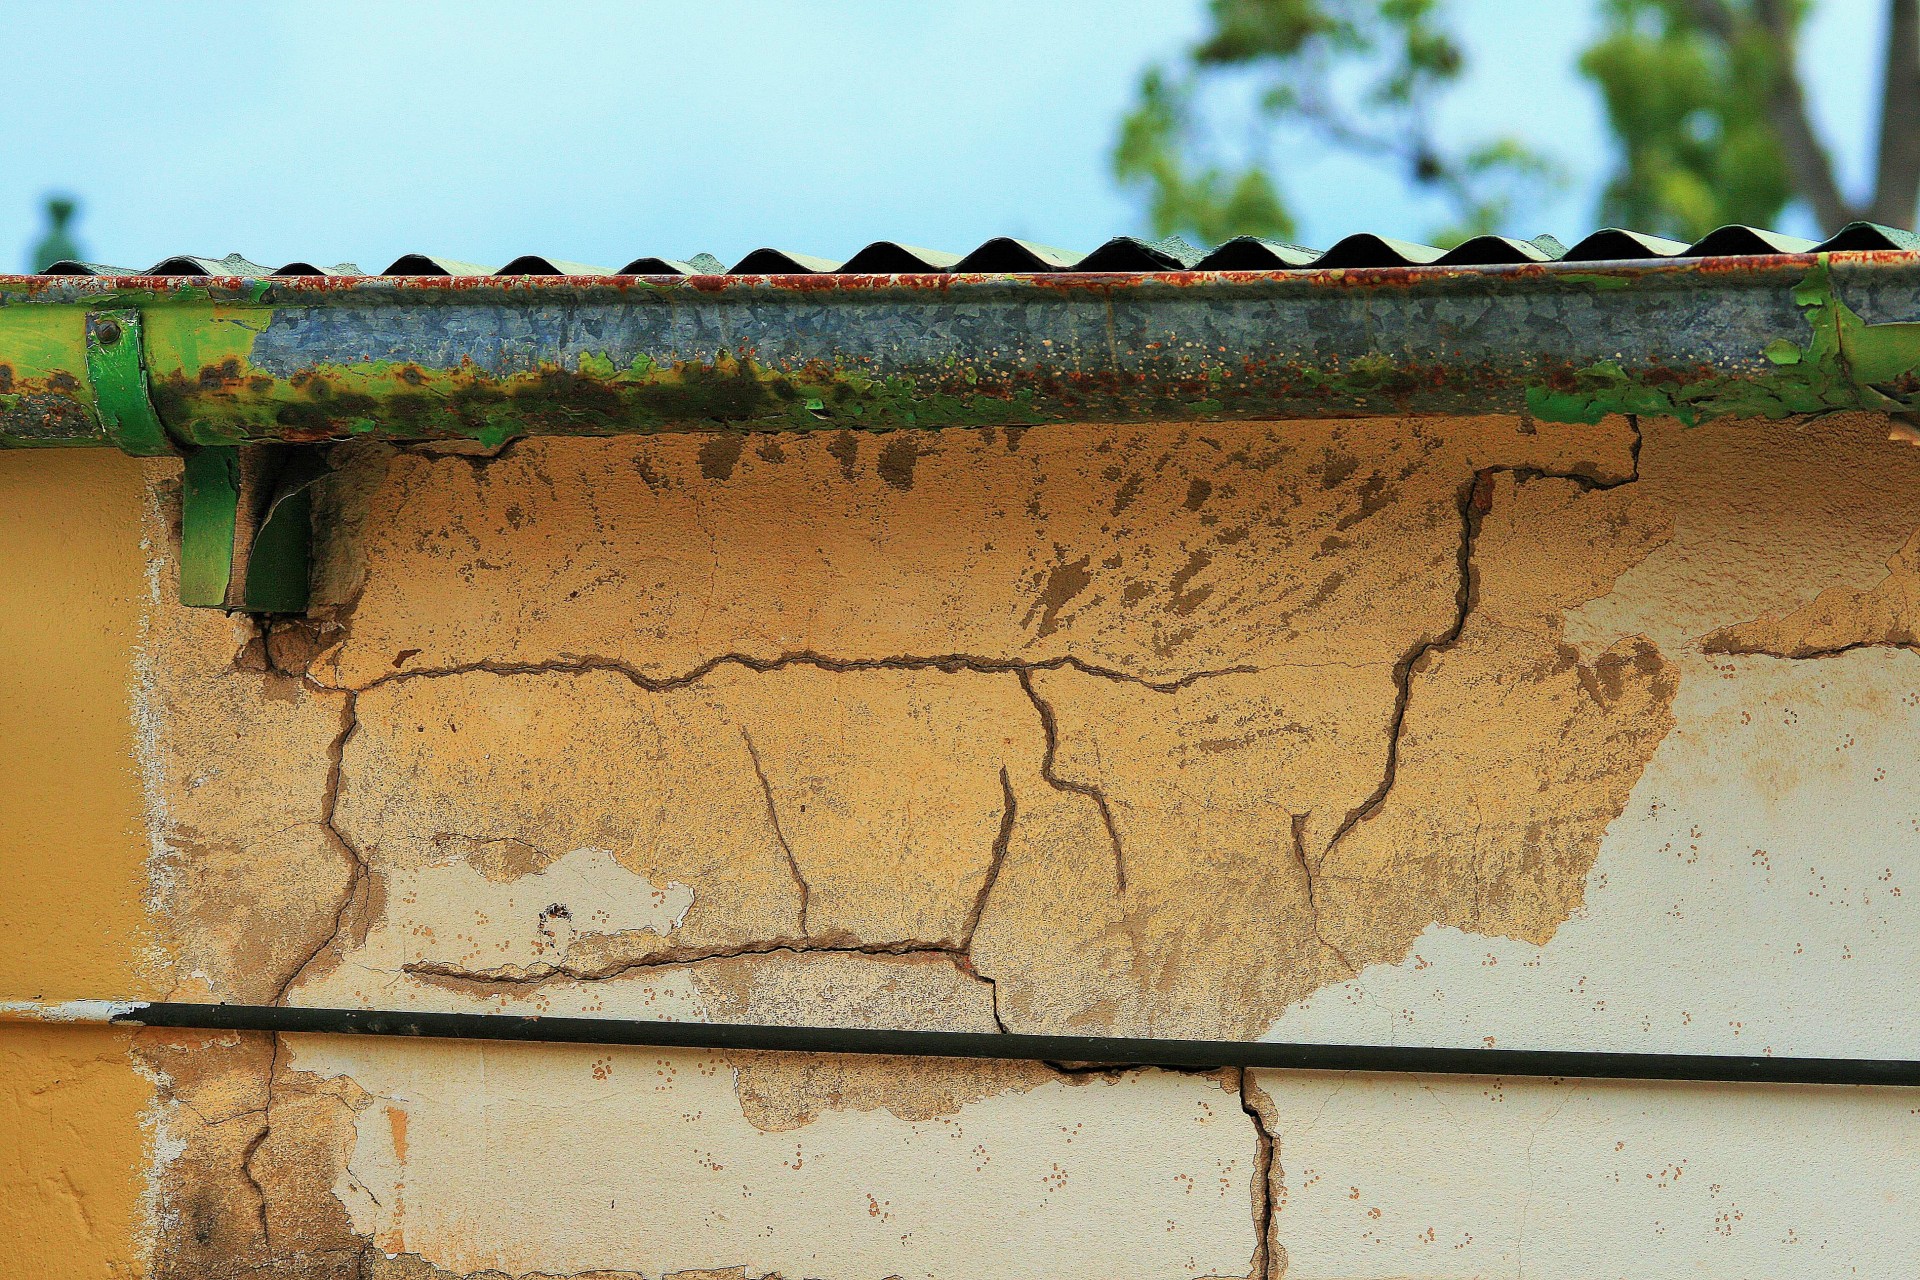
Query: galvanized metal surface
(250, 359)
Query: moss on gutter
(1844, 364)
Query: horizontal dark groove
(1100, 1050)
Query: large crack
(1718, 645)
(1308, 880)
(1050, 728)
(1265, 1150)
(1474, 500)
(541, 973)
(253, 1149)
(1265, 1265)
(944, 662)
(773, 817)
(1009, 812)
(357, 881)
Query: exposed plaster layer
(207, 1213)
(1437, 1176)
(1272, 848)
(238, 767)
(1840, 618)
(781, 1092)
(530, 1158)
(947, 756)
(1766, 516)
(716, 814)
(1495, 820)
(1764, 847)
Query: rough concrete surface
(1464, 731)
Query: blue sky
(599, 132)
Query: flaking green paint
(1844, 364)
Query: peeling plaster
(643, 1161)
(1381, 730)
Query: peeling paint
(1389, 730)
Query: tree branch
(1712, 17)
(1896, 180)
(1807, 159)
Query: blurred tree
(57, 245)
(1707, 102)
(1704, 98)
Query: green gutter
(305, 361)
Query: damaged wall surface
(1466, 731)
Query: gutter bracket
(249, 506)
(119, 375)
(209, 513)
(246, 527)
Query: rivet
(108, 331)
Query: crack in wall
(1051, 729)
(993, 997)
(256, 1142)
(1269, 1261)
(1009, 812)
(670, 958)
(948, 663)
(1308, 878)
(1720, 644)
(1475, 500)
(1265, 1150)
(773, 817)
(358, 880)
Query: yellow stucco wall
(72, 858)
(1462, 732)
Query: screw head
(108, 331)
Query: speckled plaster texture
(1471, 731)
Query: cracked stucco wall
(1467, 731)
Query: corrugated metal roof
(1004, 254)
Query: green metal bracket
(225, 493)
(281, 560)
(274, 485)
(119, 376)
(209, 513)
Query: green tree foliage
(1359, 74)
(1689, 113)
(1703, 97)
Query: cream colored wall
(1438, 732)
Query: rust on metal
(315, 358)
